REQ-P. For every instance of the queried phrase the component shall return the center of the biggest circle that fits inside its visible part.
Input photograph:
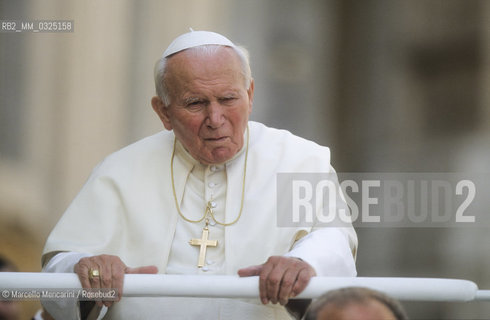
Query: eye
(227, 100)
(195, 105)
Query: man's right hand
(111, 274)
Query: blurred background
(389, 85)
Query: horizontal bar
(146, 285)
(482, 295)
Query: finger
(118, 279)
(273, 282)
(106, 276)
(286, 286)
(302, 281)
(250, 271)
(95, 281)
(105, 273)
(118, 276)
(82, 269)
(264, 275)
(144, 269)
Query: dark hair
(345, 296)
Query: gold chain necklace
(209, 210)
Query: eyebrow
(190, 100)
(229, 95)
(195, 98)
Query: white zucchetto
(195, 39)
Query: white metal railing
(146, 285)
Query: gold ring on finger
(93, 273)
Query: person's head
(355, 304)
(205, 95)
(9, 310)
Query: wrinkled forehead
(204, 55)
(203, 62)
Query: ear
(162, 111)
(250, 93)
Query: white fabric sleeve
(68, 309)
(329, 251)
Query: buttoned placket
(215, 193)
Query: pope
(197, 198)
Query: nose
(215, 117)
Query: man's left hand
(280, 278)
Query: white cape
(127, 209)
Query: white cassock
(127, 209)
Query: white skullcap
(194, 39)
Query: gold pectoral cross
(203, 243)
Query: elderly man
(210, 177)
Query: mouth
(218, 139)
